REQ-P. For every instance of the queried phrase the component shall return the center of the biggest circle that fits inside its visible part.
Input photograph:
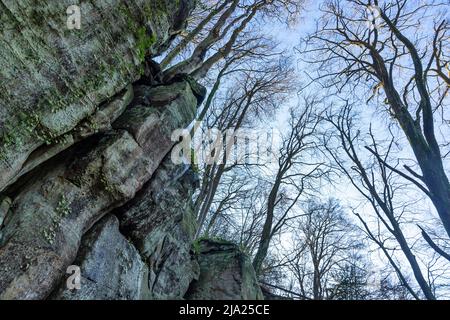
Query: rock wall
(86, 176)
(111, 267)
(63, 198)
(160, 222)
(226, 273)
(52, 78)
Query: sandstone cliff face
(86, 177)
(61, 200)
(52, 78)
(161, 224)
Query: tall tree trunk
(266, 234)
(423, 143)
(209, 199)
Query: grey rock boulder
(226, 273)
(111, 268)
(160, 222)
(60, 200)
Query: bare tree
(216, 35)
(352, 278)
(294, 170)
(392, 56)
(389, 289)
(242, 221)
(256, 91)
(197, 24)
(375, 183)
(323, 246)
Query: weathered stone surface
(63, 199)
(198, 90)
(100, 121)
(105, 115)
(52, 78)
(226, 273)
(111, 267)
(149, 123)
(50, 215)
(161, 223)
